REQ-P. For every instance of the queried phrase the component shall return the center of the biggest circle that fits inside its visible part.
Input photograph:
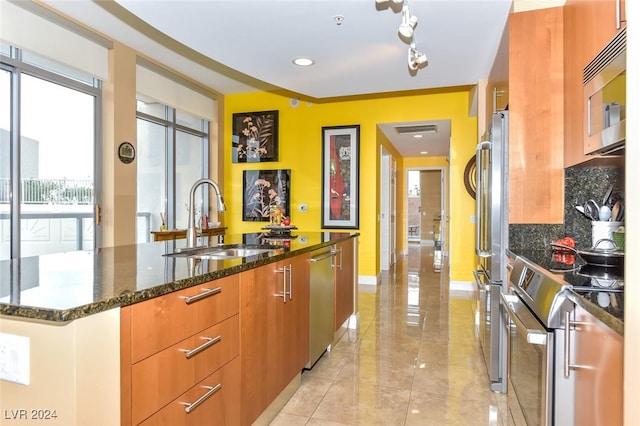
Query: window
(48, 123)
(172, 154)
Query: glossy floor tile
(413, 360)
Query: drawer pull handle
(192, 406)
(206, 293)
(210, 341)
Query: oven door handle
(525, 322)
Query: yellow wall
(300, 146)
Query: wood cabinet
(599, 360)
(536, 105)
(344, 290)
(588, 27)
(274, 319)
(176, 348)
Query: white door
(393, 208)
(385, 211)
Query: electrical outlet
(14, 358)
(303, 208)
(303, 239)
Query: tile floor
(413, 360)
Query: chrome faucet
(191, 229)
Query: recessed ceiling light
(303, 62)
(418, 136)
(424, 152)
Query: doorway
(426, 216)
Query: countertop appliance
(492, 237)
(321, 304)
(534, 308)
(604, 80)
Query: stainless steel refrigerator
(492, 229)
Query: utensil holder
(603, 230)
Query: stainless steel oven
(538, 392)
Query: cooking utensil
(605, 213)
(615, 197)
(592, 210)
(581, 210)
(615, 211)
(608, 257)
(607, 194)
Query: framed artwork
(262, 190)
(254, 137)
(340, 176)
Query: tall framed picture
(254, 137)
(340, 176)
(264, 189)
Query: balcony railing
(49, 191)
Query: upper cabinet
(588, 27)
(536, 117)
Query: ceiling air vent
(416, 129)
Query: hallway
(414, 359)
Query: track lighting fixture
(408, 24)
(406, 31)
(416, 59)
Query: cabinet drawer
(158, 379)
(221, 407)
(163, 321)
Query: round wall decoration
(126, 152)
(470, 177)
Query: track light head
(406, 27)
(416, 59)
(408, 24)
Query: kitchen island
(97, 323)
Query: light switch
(473, 218)
(14, 358)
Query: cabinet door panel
(599, 380)
(165, 320)
(156, 380)
(261, 338)
(536, 117)
(220, 408)
(344, 282)
(296, 320)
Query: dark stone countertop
(587, 282)
(63, 287)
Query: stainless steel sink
(225, 252)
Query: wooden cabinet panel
(536, 104)
(220, 408)
(163, 321)
(588, 27)
(599, 377)
(296, 320)
(261, 338)
(157, 379)
(344, 282)
(274, 342)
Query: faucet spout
(191, 229)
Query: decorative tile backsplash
(581, 184)
(533, 236)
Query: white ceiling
(237, 46)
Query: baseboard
(368, 280)
(462, 286)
